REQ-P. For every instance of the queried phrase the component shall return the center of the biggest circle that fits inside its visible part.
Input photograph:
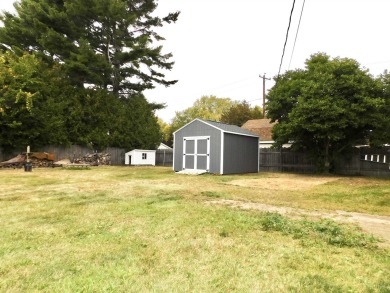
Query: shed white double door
(196, 153)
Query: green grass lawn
(133, 229)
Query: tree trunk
(326, 157)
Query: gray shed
(204, 145)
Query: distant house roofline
(261, 127)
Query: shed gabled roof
(163, 146)
(223, 127)
(262, 127)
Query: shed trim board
(258, 156)
(196, 154)
(222, 148)
(173, 158)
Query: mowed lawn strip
(148, 229)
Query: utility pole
(264, 78)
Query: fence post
(281, 159)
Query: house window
(143, 156)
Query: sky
(221, 47)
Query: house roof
(261, 127)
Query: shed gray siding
(240, 154)
(239, 147)
(197, 128)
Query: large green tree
(241, 112)
(33, 102)
(38, 107)
(81, 68)
(382, 133)
(327, 107)
(101, 43)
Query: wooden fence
(75, 151)
(362, 161)
(164, 157)
(71, 152)
(366, 162)
(271, 160)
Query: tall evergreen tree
(91, 57)
(135, 115)
(104, 43)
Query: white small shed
(140, 158)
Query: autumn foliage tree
(241, 112)
(206, 107)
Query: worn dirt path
(378, 226)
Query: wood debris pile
(95, 159)
(37, 159)
(40, 159)
(38, 162)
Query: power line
(285, 42)
(229, 84)
(296, 35)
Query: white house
(141, 157)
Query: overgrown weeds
(327, 230)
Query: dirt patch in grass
(378, 226)
(288, 183)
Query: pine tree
(101, 43)
(98, 56)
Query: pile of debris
(95, 159)
(37, 159)
(41, 159)
(16, 162)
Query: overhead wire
(285, 42)
(224, 86)
(296, 35)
